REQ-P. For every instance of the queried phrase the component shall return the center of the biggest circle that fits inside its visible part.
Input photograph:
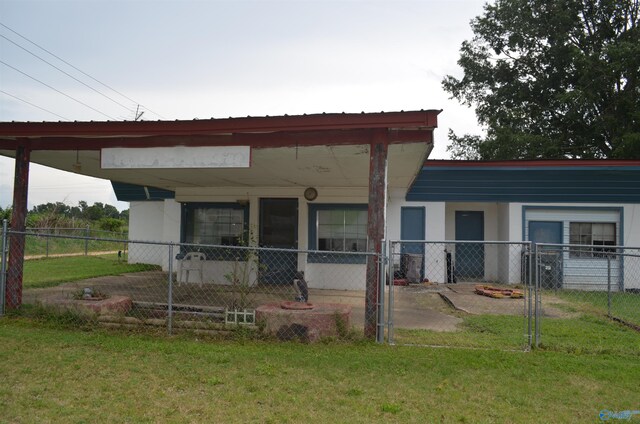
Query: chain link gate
(459, 293)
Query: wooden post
(13, 294)
(375, 224)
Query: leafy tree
(94, 212)
(5, 213)
(112, 224)
(111, 212)
(552, 79)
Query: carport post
(375, 225)
(13, 288)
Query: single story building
(341, 183)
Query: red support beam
(375, 224)
(255, 140)
(13, 293)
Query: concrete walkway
(414, 307)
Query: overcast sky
(202, 59)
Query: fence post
(170, 299)
(381, 280)
(3, 267)
(391, 287)
(46, 238)
(609, 286)
(538, 300)
(86, 241)
(530, 283)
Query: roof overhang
(305, 150)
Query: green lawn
(41, 246)
(52, 374)
(625, 306)
(53, 271)
(52, 371)
(583, 334)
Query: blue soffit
(132, 192)
(530, 183)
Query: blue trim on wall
(330, 256)
(131, 192)
(618, 209)
(543, 184)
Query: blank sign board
(176, 157)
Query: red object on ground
(309, 325)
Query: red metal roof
(531, 163)
(424, 119)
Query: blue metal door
(469, 260)
(545, 232)
(550, 264)
(412, 227)
(279, 229)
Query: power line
(56, 90)
(67, 74)
(34, 105)
(79, 70)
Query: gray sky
(184, 59)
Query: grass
(625, 306)
(42, 246)
(52, 374)
(583, 334)
(48, 272)
(55, 370)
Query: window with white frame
(592, 234)
(342, 230)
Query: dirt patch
(463, 298)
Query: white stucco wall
(317, 275)
(145, 224)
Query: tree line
(60, 215)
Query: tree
(551, 79)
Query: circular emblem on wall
(310, 194)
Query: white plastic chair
(192, 261)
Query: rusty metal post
(375, 225)
(13, 293)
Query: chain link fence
(283, 293)
(467, 294)
(492, 295)
(581, 288)
(79, 241)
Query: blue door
(469, 261)
(412, 227)
(545, 232)
(550, 264)
(279, 229)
